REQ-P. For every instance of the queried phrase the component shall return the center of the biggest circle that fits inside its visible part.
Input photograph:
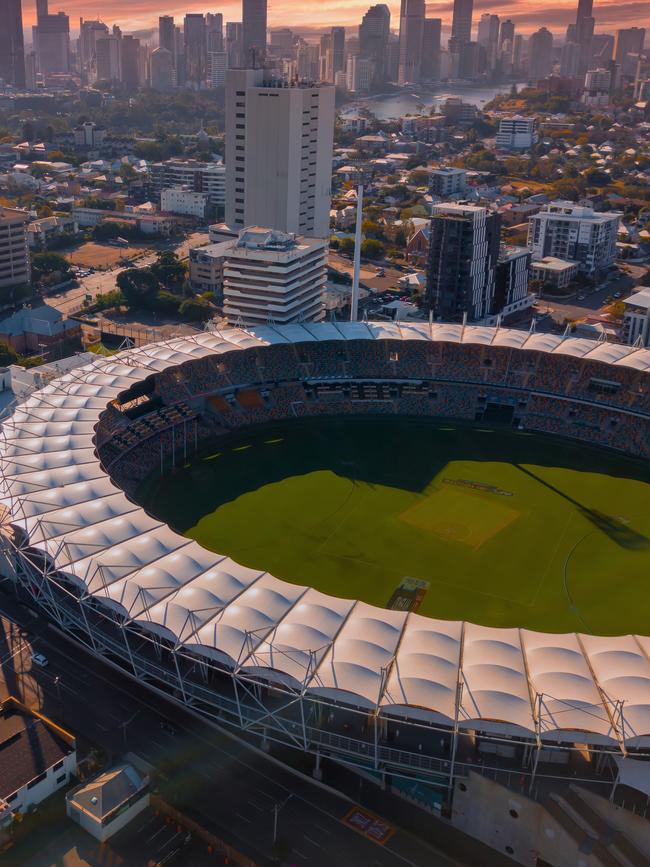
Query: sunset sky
(527, 14)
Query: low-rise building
(108, 803)
(517, 133)
(554, 272)
(207, 267)
(195, 175)
(37, 757)
(448, 182)
(272, 276)
(636, 318)
(89, 136)
(41, 233)
(182, 200)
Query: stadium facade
(392, 692)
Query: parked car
(40, 659)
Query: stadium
(403, 696)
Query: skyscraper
(234, 44)
(214, 28)
(431, 38)
(253, 30)
(12, 50)
(540, 54)
(463, 254)
(461, 25)
(488, 39)
(583, 33)
(374, 32)
(167, 33)
(628, 46)
(411, 27)
(338, 50)
(196, 50)
(89, 33)
(161, 69)
(51, 37)
(279, 144)
(109, 58)
(130, 62)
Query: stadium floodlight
(354, 301)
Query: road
(70, 301)
(227, 785)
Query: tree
(168, 269)
(372, 249)
(50, 267)
(7, 355)
(139, 286)
(346, 246)
(196, 310)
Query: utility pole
(354, 301)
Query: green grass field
(488, 525)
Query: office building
(540, 54)
(448, 182)
(358, 74)
(194, 175)
(207, 266)
(130, 62)
(161, 69)
(338, 50)
(214, 31)
(574, 233)
(108, 51)
(185, 202)
(431, 40)
(234, 44)
(14, 250)
(89, 33)
(464, 243)
(583, 33)
(374, 34)
(253, 31)
(598, 86)
(279, 143)
(272, 276)
(570, 60)
(461, 24)
(517, 133)
(488, 39)
(627, 48)
(12, 49)
(51, 37)
(196, 50)
(167, 33)
(411, 30)
(217, 67)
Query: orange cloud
(530, 14)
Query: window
(37, 780)
(11, 798)
(61, 779)
(57, 765)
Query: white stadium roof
(563, 687)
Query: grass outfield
(456, 520)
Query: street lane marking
(320, 828)
(313, 842)
(245, 818)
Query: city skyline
(528, 15)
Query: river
(408, 101)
